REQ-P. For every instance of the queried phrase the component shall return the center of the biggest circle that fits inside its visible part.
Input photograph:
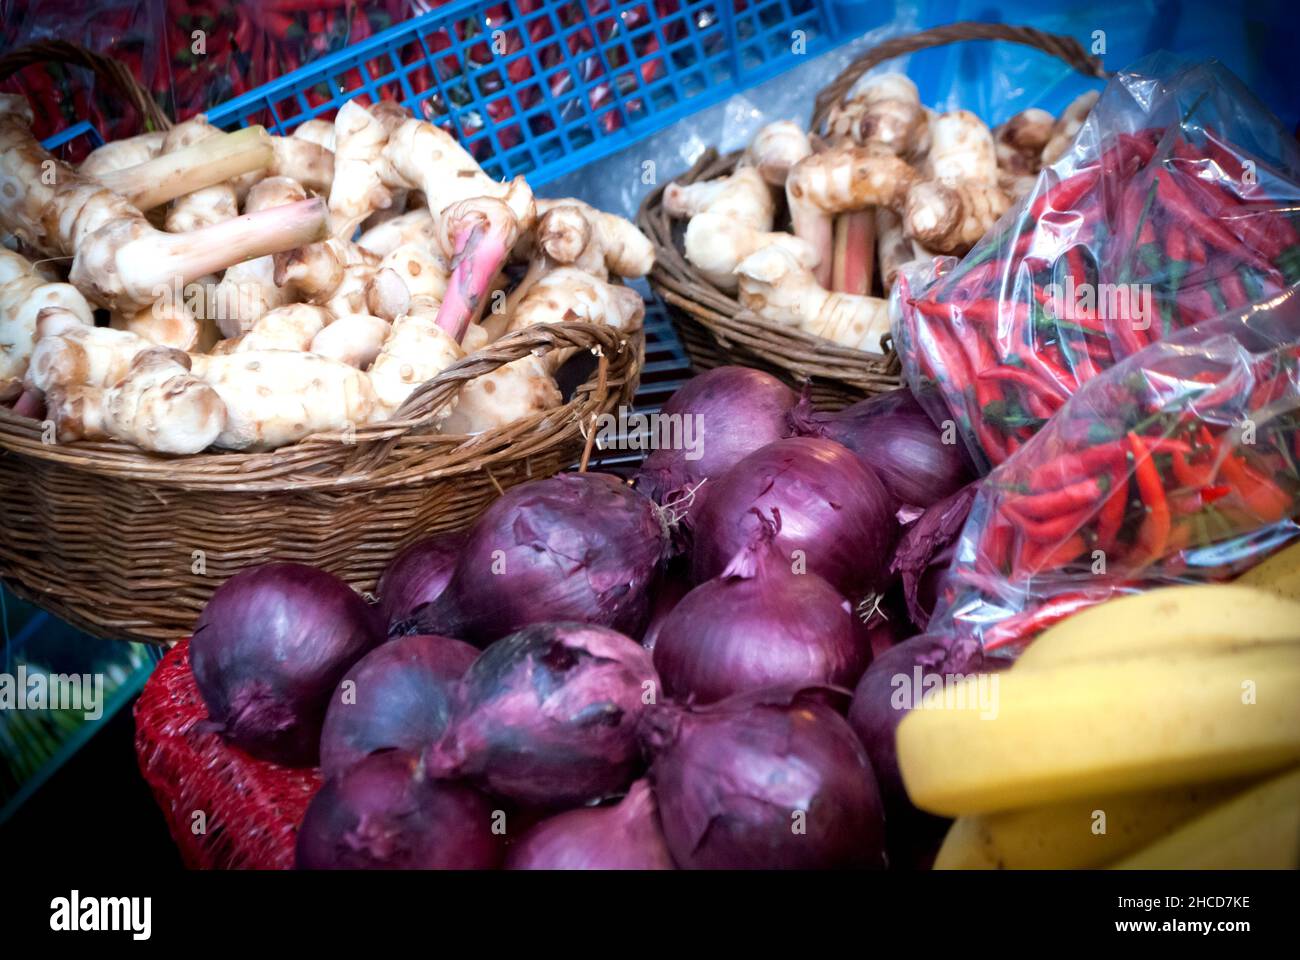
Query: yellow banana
(1209, 615)
(1090, 728)
(1258, 829)
(1076, 834)
(1278, 574)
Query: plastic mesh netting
(250, 809)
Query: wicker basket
(130, 545)
(713, 325)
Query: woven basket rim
(393, 453)
(807, 356)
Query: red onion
(893, 684)
(736, 410)
(269, 649)
(548, 715)
(625, 836)
(385, 813)
(418, 574)
(896, 438)
(832, 510)
(399, 695)
(670, 587)
(925, 552)
(769, 780)
(576, 546)
(758, 625)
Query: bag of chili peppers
(1176, 465)
(1175, 203)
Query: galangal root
(1020, 142)
(1067, 126)
(158, 405)
(730, 218)
(886, 181)
(476, 219)
(252, 330)
(119, 260)
(25, 293)
(776, 287)
(884, 113)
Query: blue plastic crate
(545, 87)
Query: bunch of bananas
(1160, 730)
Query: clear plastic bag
(1175, 203)
(1176, 465)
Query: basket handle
(113, 72)
(1058, 45)
(418, 413)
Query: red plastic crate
(251, 808)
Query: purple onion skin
(625, 836)
(268, 650)
(736, 780)
(830, 506)
(926, 550)
(757, 628)
(888, 689)
(740, 409)
(547, 716)
(385, 813)
(401, 696)
(896, 438)
(418, 575)
(574, 547)
(670, 587)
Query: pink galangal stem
(855, 254)
(480, 252)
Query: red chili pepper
(1043, 556)
(1153, 536)
(1262, 496)
(1234, 293)
(1176, 244)
(1268, 390)
(305, 6)
(1069, 467)
(987, 311)
(1111, 517)
(1027, 380)
(1158, 445)
(1024, 626)
(1211, 231)
(1216, 492)
(1195, 305)
(994, 550)
(1074, 496)
(1099, 350)
(1083, 365)
(1193, 477)
(1051, 531)
(1066, 193)
(931, 308)
(1055, 374)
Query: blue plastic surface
(997, 80)
(550, 89)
